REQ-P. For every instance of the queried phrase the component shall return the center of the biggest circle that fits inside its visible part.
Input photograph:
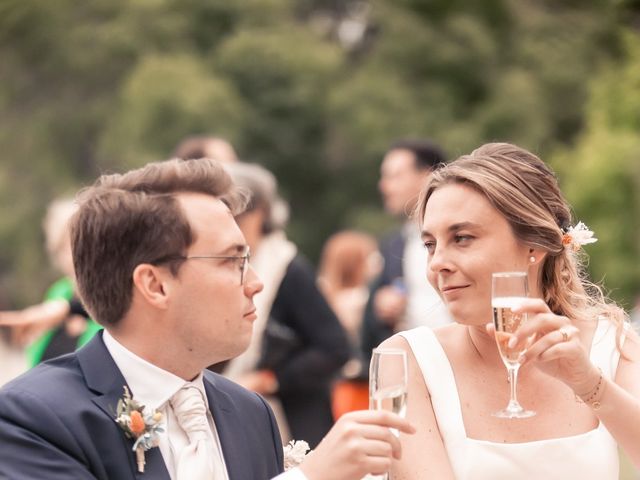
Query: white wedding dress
(589, 456)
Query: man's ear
(151, 284)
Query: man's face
(400, 182)
(211, 310)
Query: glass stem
(513, 381)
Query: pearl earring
(532, 259)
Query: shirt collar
(150, 385)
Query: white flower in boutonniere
(575, 237)
(140, 425)
(294, 453)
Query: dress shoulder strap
(440, 381)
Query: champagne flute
(509, 289)
(388, 385)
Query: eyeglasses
(242, 260)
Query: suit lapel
(232, 438)
(105, 379)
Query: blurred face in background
(62, 256)
(400, 181)
(220, 150)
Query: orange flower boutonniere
(140, 425)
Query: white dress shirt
(153, 387)
(424, 306)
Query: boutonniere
(140, 425)
(294, 453)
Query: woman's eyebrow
(453, 228)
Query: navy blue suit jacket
(57, 422)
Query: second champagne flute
(509, 289)
(388, 384)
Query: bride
(500, 209)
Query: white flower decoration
(577, 236)
(294, 453)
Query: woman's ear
(536, 256)
(151, 284)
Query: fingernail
(513, 341)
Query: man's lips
(251, 313)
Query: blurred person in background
(206, 146)
(635, 314)
(12, 358)
(60, 324)
(350, 260)
(298, 346)
(401, 298)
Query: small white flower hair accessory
(294, 453)
(577, 236)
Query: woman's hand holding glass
(557, 348)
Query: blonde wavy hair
(525, 191)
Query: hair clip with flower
(294, 453)
(140, 425)
(577, 236)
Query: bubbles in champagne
(506, 323)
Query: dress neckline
(455, 408)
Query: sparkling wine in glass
(508, 290)
(388, 384)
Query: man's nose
(252, 284)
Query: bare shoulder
(416, 380)
(629, 367)
(631, 345)
(414, 462)
(396, 341)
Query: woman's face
(467, 240)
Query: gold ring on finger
(565, 334)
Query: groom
(162, 265)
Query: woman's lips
(451, 290)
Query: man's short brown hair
(134, 218)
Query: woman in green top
(59, 324)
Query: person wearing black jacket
(299, 345)
(401, 298)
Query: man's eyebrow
(235, 248)
(453, 228)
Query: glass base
(514, 410)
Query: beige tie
(194, 461)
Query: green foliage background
(316, 90)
